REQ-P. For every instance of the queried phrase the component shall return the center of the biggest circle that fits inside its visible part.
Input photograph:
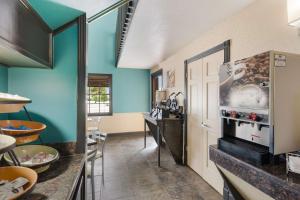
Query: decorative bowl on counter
(12, 173)
(37, 157)
(23, 131)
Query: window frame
(110, 96)
(153, 77)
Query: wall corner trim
(81, 85)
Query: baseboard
(136, 133)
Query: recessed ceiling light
(293, 7)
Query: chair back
(92, 124)
(102, 139)
(91, 155)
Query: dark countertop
(58, 182)
(270, 179)
(154, 120)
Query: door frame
(223, 46)
(153, 76)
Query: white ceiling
(90, 7)
(161, 27)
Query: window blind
(99, 81)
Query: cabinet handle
(204, 125)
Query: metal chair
(91, 157)
(93, 126)
(101, 139)
(96, 140)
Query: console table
(171, 130)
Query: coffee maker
(259, 101)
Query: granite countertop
(57, 183)
(270, 179)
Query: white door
(203, 116)
(211, 129)
(194, 115)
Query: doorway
(156, 84)
(202, 108)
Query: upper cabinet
(25, 39)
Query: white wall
(121, 123)
(260, 27)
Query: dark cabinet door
(22, 30)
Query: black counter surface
(270, 178)
(59, 181)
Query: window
(99, 94)
(157, 84)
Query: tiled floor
(131, 173)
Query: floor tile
(131, 173)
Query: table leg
(158, 142)
(145, 136)
(83, 187)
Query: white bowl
(6, 143)
(30, 151)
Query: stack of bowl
(37, 157)
(7, 143)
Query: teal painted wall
(53, 92)
(130, 86)
(54, 13)
(3, 84)
(3, 79)
(131, 90)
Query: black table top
(59, 180)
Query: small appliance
(260, 106)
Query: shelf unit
(12, 104)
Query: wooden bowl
(11, 173)
(30, 151)
(28, 135)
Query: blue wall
(3, 79)
(3, 84)
(130, 86)
(54, 13)
(53, 92)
